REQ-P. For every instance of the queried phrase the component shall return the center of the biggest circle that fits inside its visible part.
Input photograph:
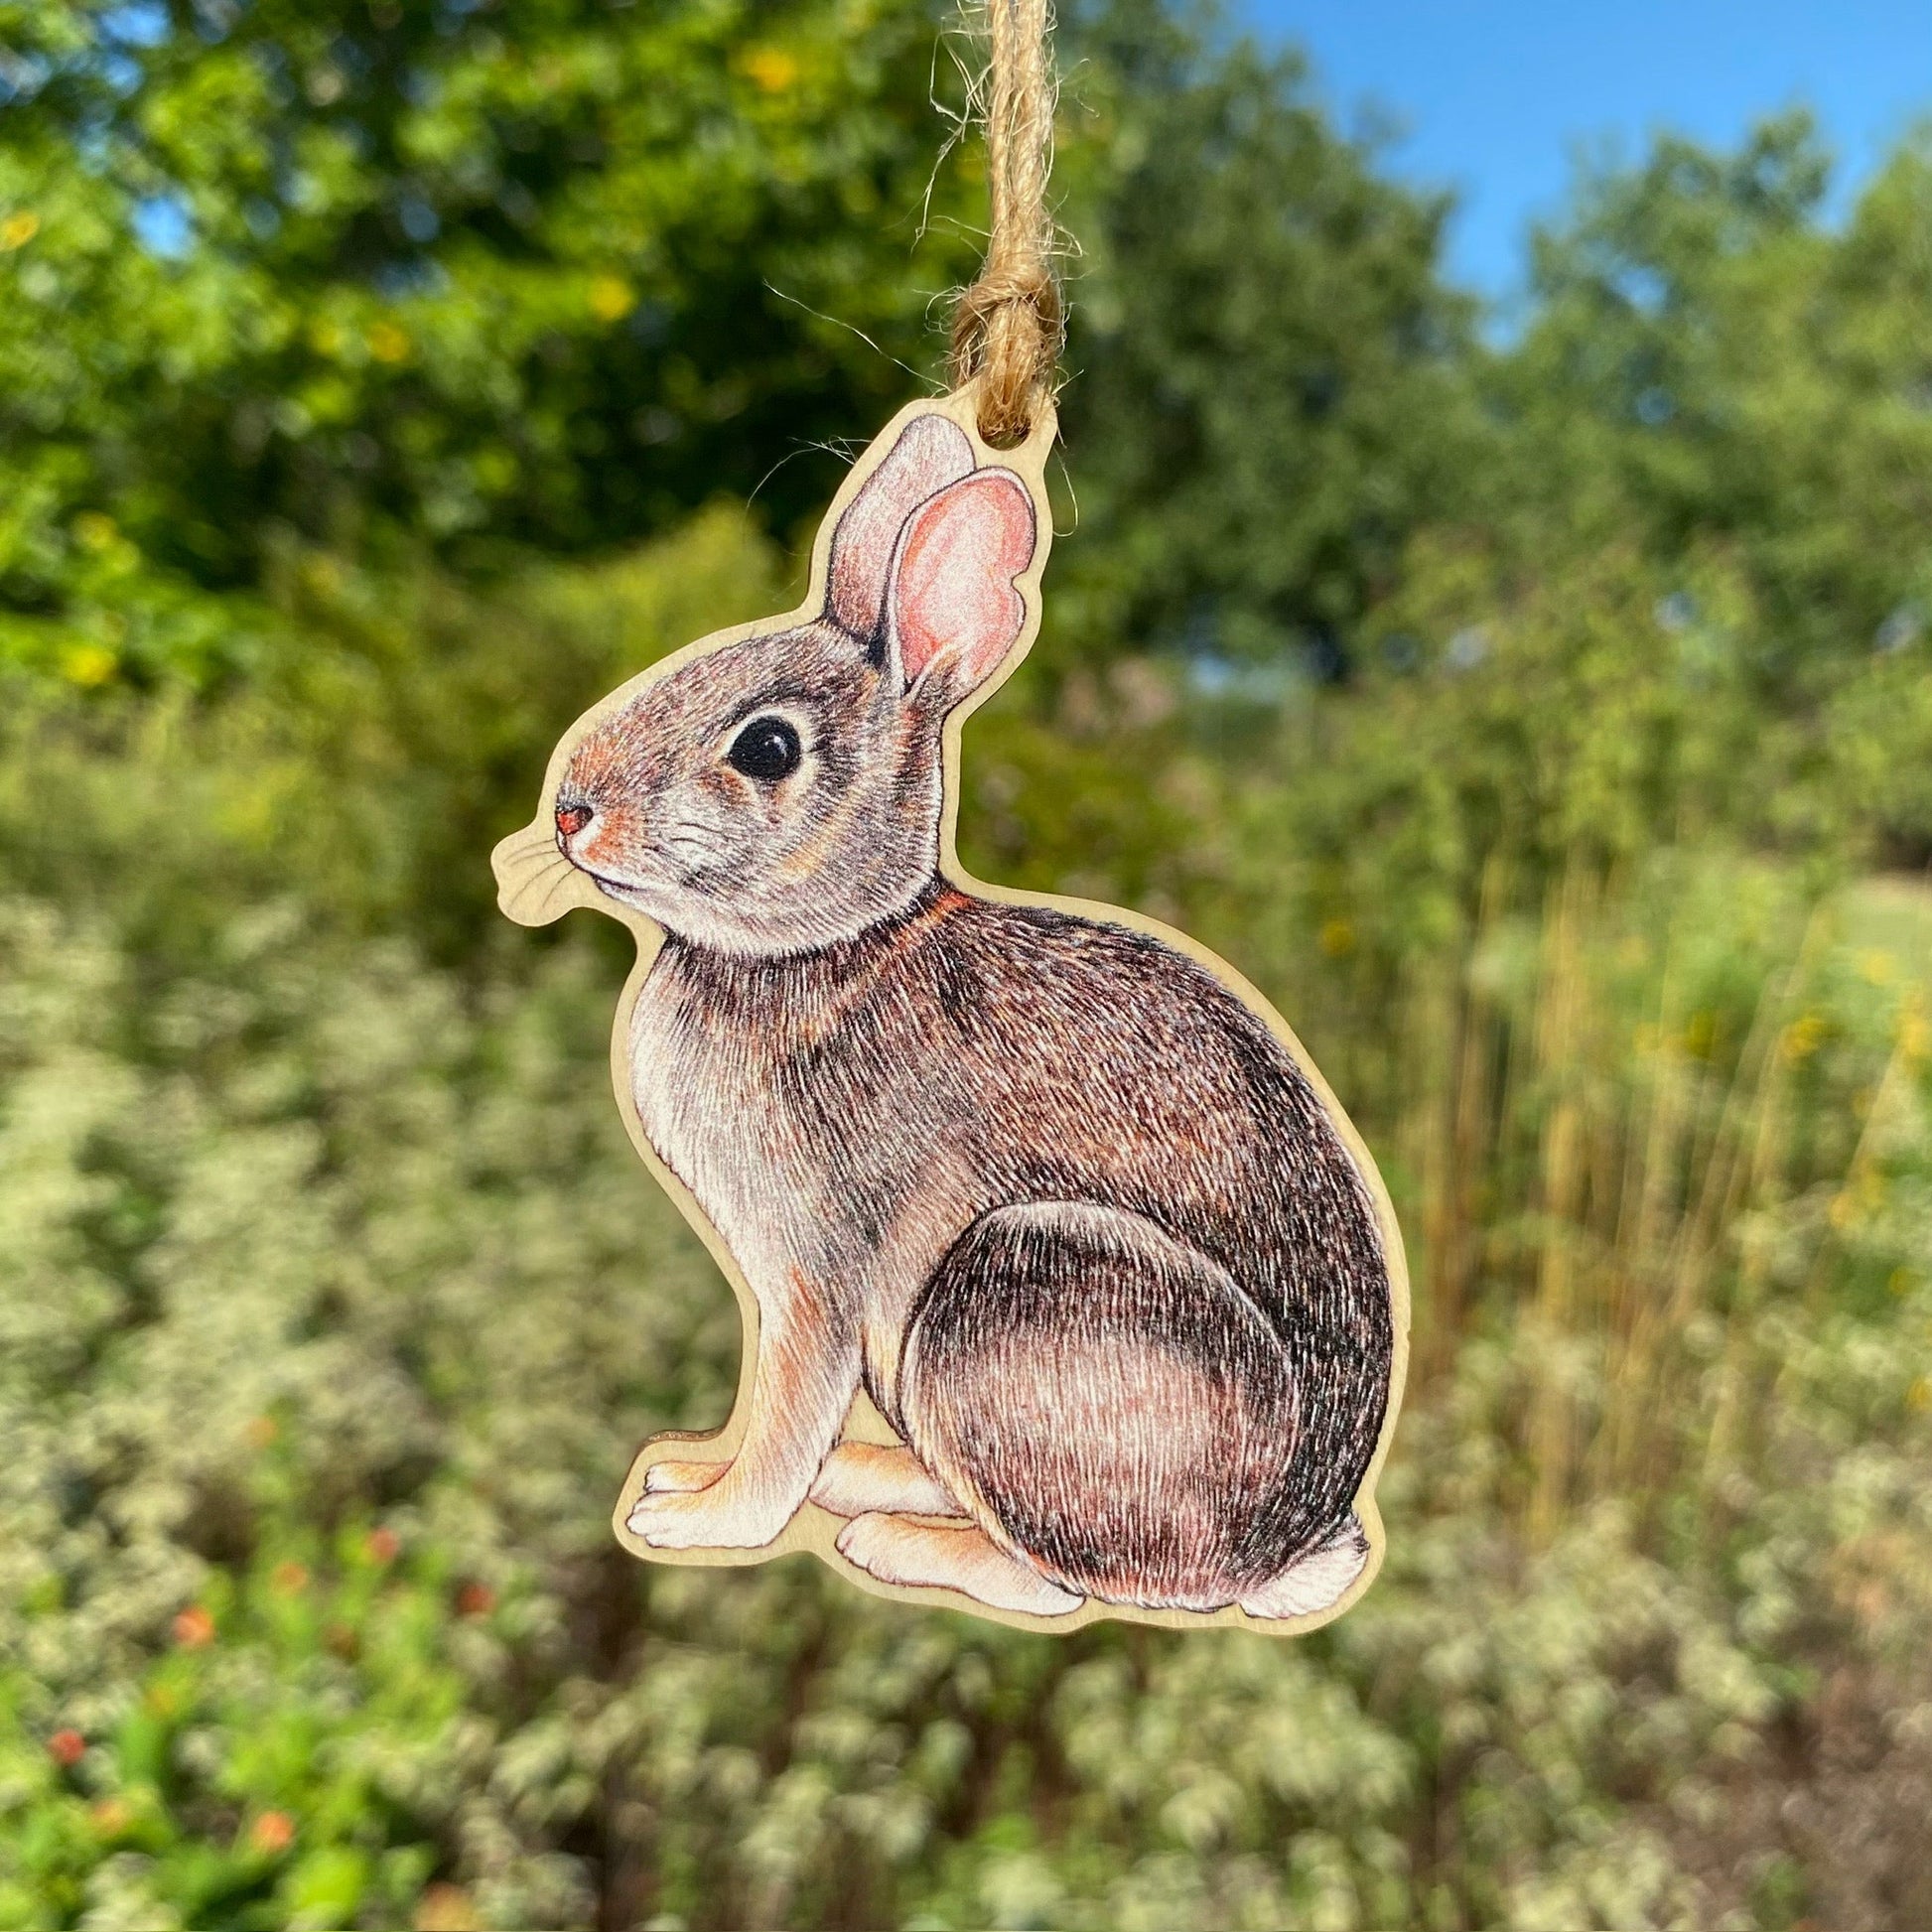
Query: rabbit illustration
(1069, 1212)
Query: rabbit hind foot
(942, 1557)
(1315, 1580)
(858, 1479)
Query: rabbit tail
(1318, 1579)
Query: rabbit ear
(932, 452)
(952, 594)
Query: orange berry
(66, 1746)
(272, 1832)
(445, 1909)
(475, 1599)
(194, 1626)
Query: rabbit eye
(767, 749)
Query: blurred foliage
(1543, 722)
(336, 1300)
(528, 272)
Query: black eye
(766, 749)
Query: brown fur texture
(1065, 1207)
(1119, 1285)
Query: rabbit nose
(571, 819)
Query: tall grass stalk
(1596, 1117)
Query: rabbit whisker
(549, 878)
(535, 856)
(524, 878)
(555, 887)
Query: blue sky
(1495, 95)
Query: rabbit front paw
(703, 1519)
(667, 1477)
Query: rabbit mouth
(651, 882)
(619, 889)
(627, 891)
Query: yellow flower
(88, 665)
(1802, 1037)
(611, 297)
(770, 68)
(387, 342)
(1336, 937)
(1914, 1036)
(19, 229)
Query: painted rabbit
(1067, 1209)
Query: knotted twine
(1009, 325)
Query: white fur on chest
(710, 1118)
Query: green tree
(548, 276)
(1269, 386)
(544, 274)
(1711, 368)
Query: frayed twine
(1009, 324)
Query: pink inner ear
(932, 451)
(952, 592)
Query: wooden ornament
(1068, 1291)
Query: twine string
(1009, 323)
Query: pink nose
(571, 819)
